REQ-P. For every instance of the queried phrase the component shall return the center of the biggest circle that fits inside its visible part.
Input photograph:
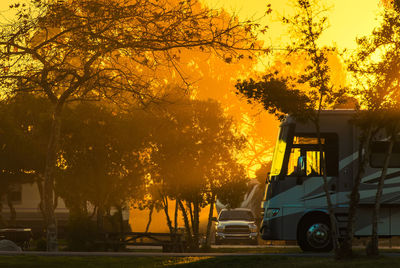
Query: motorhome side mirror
(267, 180)
(214, 219)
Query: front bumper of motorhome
(267, 226)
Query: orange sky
(348, 18)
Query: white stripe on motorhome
(294, 196)
(377, 174)
(347, 161)
(364, 194)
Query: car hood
(236, 222)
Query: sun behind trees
(92, 50)
(192, 161)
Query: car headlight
(272, 212)
(253, 228)
(220, 228)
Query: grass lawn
(231, 261)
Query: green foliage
(39, 244)
(100, 149)
(25, 121)
(192, 158)
(97, 163)
(193, 149)
(278, 96)
(232, 192)
(23, 137)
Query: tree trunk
(13, 213)
(372, 248)
(169, 223)
(48, 189)
(189, 205)
(100, 219)
(2, 223)
(332, 218)
(176, 216)
(39, 184)
(187, 224)
(94, 212)
(195, 224)
(150, 217)
(121, 219)
(207, 243)
(363, 159)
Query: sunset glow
(126, 121)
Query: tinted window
(378, 154)
(305, 157)
(243, 215)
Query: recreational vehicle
(25, 201)
(295, 206)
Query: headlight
(272, 212)
(253, 228)
(220, 228)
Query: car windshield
(242, 215)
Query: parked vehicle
(236, 225)
(295, 206)
(19, 235)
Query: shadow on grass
(288, 262)
(219, 261)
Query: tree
(101, 160)
(192, 159)
(214, 79)
(78, 50)
(227, 182)
(23, 129)
(302, 97)
(99, 169)
(376, 68)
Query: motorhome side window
(305, 157)
(378, 153)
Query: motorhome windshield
(279, 151)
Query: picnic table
(169, 242)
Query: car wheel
(315, 234)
